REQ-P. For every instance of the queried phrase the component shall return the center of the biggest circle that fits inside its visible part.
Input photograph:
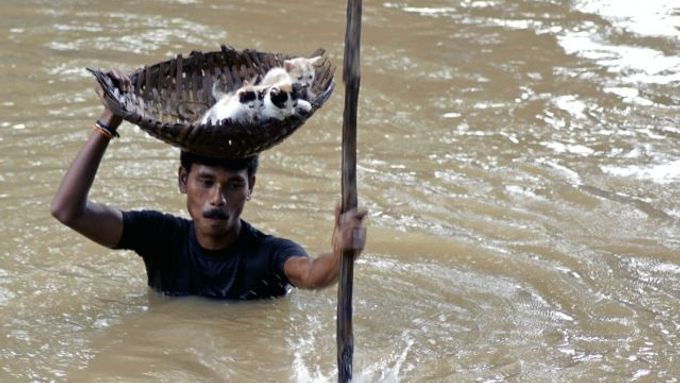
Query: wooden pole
(351, 76)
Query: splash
(387, 371)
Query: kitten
(241, 106)
(299, 71)
(284, 100)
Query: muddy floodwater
(520, 160)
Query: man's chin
(216, 226)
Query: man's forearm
(100, 223)
(313, 273)
(70, 201)
(324, 271)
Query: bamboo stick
(351, 77)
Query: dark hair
(186, 159)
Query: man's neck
(221, 242)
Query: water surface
(520, 160)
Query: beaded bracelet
(105, 130)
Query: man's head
(217, 190)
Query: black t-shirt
(176, 264)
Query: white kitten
(283, 100)
(298, 71)
(241, 106)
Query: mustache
(215, 214)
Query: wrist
(110, 120)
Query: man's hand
(348, 233)
(125, 85)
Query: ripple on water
(475, 323)
(143, 33)
(662, 173)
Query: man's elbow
(66, 216)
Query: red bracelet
(103, 127)
(102, 132)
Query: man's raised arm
(102, 224)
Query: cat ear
(315, 60)
(288, 65)
(251, 81)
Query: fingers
(120, 79)
(353, 217)
(359, 212)
(338, 212)
(358, 238)
(349, 234)
(351, 239)
(123, 82)
(100, 92)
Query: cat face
(301, 70)
(282, 97)
(242, 106)
(251, 99)
(282, 101)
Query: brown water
(520, 159)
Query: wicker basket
(169, 97)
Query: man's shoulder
(153, 220)
(143, 229)
(152, 215)
(255, 234)
(271, 242)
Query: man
(215, 254)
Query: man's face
(215, 197)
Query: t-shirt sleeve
(282, 250)
(144, 229)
